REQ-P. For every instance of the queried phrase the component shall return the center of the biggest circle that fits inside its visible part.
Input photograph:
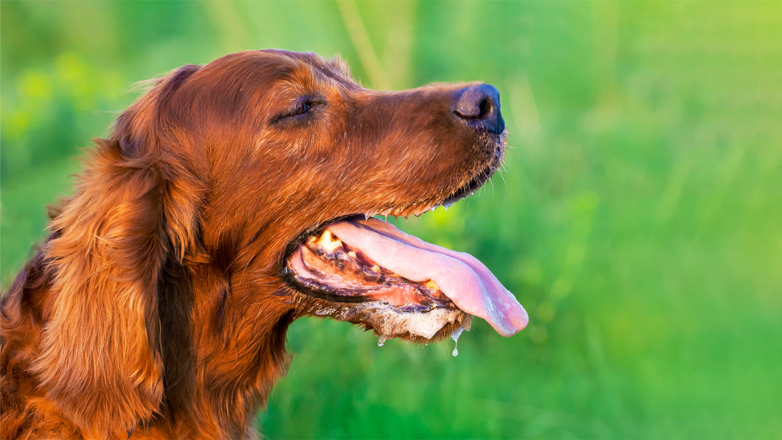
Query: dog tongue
(460, 276)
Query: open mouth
(371, 273)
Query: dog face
(290, 144)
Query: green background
(638, 219)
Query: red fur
(156, 306)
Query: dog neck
(219, 373)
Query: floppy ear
(100, 356)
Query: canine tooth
(352, 254)
(431, 285)
(328, 243)
(375, 268)
(334, 245)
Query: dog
(229, 200)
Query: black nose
(479, 107)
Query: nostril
(479, 107)
(477, 102)
(484, 108)
(478, 112)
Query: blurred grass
(638, 219)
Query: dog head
(252, 182)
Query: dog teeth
(352, 254)
(407, 213)
(375, 268)
(431, 285)
(328, 242)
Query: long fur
(155, 308)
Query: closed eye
(304, 106)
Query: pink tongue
(460, 276)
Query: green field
(638, 218)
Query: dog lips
(460, 276)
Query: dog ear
(100, 356)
